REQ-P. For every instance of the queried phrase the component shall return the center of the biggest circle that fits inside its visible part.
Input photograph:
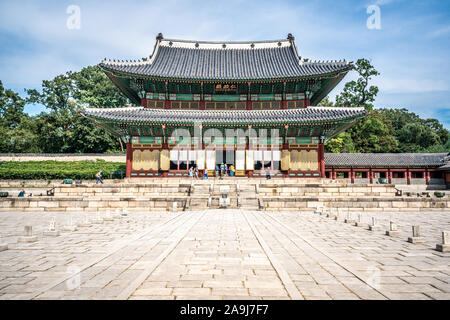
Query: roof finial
(290, 37)
(159, 37)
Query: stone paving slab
(224, 254)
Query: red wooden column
(248, 103)
(333, 174)
(283, 97)
(144, 102)
(129, 161)
(249, 173)
(307, 101)
(427, 176)
(370, 176)
(408, 176)
(352, 176)
(285, 146)
(322, 160)
(166, 104)
(389, 175)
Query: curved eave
(120, 73)
(323, 92)
(130, 94)
(346, 121)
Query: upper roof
(385, 159)
(201, 60)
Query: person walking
(232, 170)
(268, 175)
(191, 172)
(99, 177)
(196, 173)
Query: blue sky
(411, 49)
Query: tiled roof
(257, 117)
(183, 59)
(384, 159)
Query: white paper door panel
(201, 159)
(250, 164)
(210, 159)
(240, 159)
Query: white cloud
(394, 84)
(440, 32)
(29, 72)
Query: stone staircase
(236, 196)
(248, 194)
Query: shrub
(50, 169)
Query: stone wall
(165, 203)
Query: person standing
(99, 177)
(196, 173)
(268, 176)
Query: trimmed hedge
(51, 169)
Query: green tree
(358, 93)
(374, 134)
(342, 143)
(94, 88)
(415, 134)
(57, 96)
(63, 128)
(11, 108)
(17, 129)
(326, 102)
(437, 128)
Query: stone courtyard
(223, 254)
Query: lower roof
(346, 160)
(310, 115)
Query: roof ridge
(228, 41)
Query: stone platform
(188, 194)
